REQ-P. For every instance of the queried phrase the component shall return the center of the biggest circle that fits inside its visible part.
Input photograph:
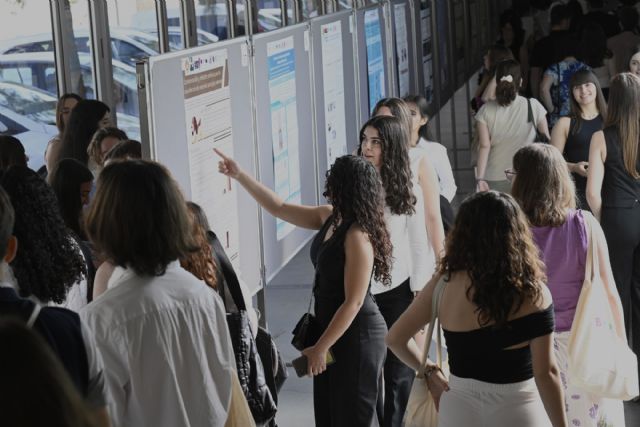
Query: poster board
(334, 89)
(191, 111)
(403, 39)
(284, 131)
(372, 62)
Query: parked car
(127, 45)
(38, 69)
(40, 106)
(33, 135)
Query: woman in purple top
(544, 188)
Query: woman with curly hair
(101, 143)
(352, 246)
(423, 174)
(544, 188)
(497, 318)
(49, 264)
(382, 143)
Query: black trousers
(398, 377)
(621, 226)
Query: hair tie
(508, 78)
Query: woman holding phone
(352, 246)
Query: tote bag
(421, 408)
(600, 361)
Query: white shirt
(437, 155)
(166, 349)
(412, 258)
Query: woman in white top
(382, 143)
(422, 172)
(162, 332)
(503, 128)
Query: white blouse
(412, 257)
(166, 349)
(437, 155)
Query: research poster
(402, 48)
(207, 102)
(281, 60)
(427, 54)
(333, 84)
(375, 58)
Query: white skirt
(481, 404)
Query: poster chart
(333, 84)
(207, 102)
(281, 62)
(427, 55)
(375, 58)
(402, 48)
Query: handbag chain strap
(435, 306)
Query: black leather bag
(250, 367)
(275, 370)
(540, 137)
(306, 332)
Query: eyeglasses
(510, 174)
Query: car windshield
(149, 42)
(36, 105)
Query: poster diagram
(281, 62)
(333, 83)
(427, 55)
(375, 59)
(402, 48)
(207, 105)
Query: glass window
(134, 36)
(174, 22)
(211, 16)
(75, 25)
(28, 84)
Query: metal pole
(232, 22)
(251, 18)
(163, 25)
(297, 11)
(283, 13)
(63, 78)
(451, 43)
(414, 52)
(146, 131)
(189, 26)
(435, 39)
(101, 53)
(392, 78)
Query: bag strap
(435, 305)
(592, 264)
(530, 112)
(228, 272)
(34, 315)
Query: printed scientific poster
(402, 48)
(207, 102)
(427, 55)
(333, 83)
(375, 58)
(281, 60)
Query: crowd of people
(115, 296)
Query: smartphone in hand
(301, 364)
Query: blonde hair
(624, 115)
(543, 186)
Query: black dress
(346, 393)
(576, 150)
(620, 220)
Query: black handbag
(306, 332)
(540, 137)
(251, 371)
(275, 370)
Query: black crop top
(480, 354)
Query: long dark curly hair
(48, 261)
(354, 189)
(492, 242)
(396, 168)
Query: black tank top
(576, 148)
(329, 260)
(619, 188)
